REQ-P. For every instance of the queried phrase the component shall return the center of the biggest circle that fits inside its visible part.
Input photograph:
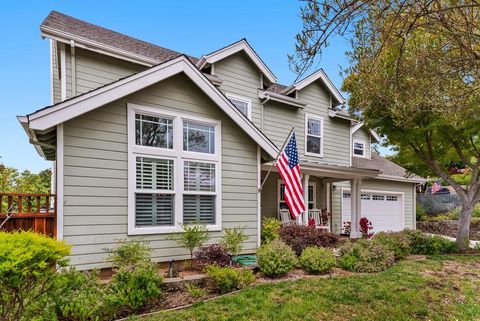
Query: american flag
(289, 170)
(436, 187)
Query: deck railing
(26, 212)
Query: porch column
(306, 178)
(355, 207)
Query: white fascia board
(232, 49)
(23, 120)
(82, 104)
(319, 74)
(88, 44)
(373, 132)
(281, 98)
(400, 179)
(333, 113)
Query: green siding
(95, 174)
(364, 135)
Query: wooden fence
(36, 212)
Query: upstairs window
(198, 138)
(314, 135)
(242, 104)
(153, 131)
(359, 148)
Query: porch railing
(35, 212)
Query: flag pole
(276, 159)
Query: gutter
(269, 95)
(32, 138)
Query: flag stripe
(289, 169)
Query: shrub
(276, 258)
(270, 227)
(193, 236)
(430, 245)
(301, 237)
(195, 291)
(233, 239)
(212, 254)
(129, 291)
(129, 254)
(317, 259)
(227, 279)
(420, 212)
(365, 256)
(27, 268)
(365, 227)
(396, 242)
(74, 296)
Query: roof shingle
(383, 165)
(80, 28)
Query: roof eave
(269, 95)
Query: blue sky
(191, 27)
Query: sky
(190, 27)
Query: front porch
(319, 193)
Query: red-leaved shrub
(365, 227)
(212, 254)
(301, 237)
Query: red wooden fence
(36, 212)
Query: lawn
(437, 288)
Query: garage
(384, 210)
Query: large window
(359, 148)
(174, 169)
(314, 135)
(242, 104)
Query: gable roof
(65, 28)
(388, 169)
(51, 116)
(317, 75)
(373, 132)
(232, 49)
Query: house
(144, 139)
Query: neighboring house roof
(51, 116)
(241, 45)
(388, 169)
(317, 75)
(65, 28)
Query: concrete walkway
(473, 244)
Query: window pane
(199, 176)
(198, 209)
(198, 138)
(314, 127)
(153, 131)
(153, 173)
(358, 152)
(241, 105)
(153, 209)
(313, 144)
(358, 145)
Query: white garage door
(385, 211)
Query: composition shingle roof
(80, 28)
(276, 88)
(383, 165)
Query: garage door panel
(385, 211)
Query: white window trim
(307, 116)
(365, 152)
(279, 184)
(179, 156)
(246, 100)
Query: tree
(11, 180)
(414, 75)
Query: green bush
(27, 267)
(430, 244)
(195, 291)
(276, 258)
(317, 259)
(227, 279)
(420, 212)
(129, 254)
(270, 227)
(74, 296)
(193, 236)
(233, 239)
(129, 291)
(396, 242)
(365, 256)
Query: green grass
(440, 288)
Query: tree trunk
(463, 233)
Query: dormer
(362, 139)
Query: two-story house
(145, 139)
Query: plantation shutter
(156, 174)
(199, 176)
(199, 209)
(153, 209)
